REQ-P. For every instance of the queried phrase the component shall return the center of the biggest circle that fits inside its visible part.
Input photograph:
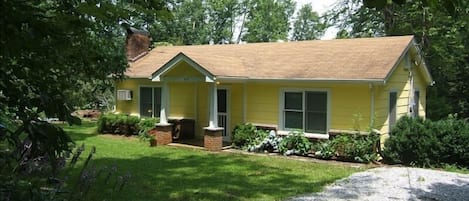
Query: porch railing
(222, 118)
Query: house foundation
(163, 133)
(213, 139)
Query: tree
(268, 20)
(222, 19)
(307, 26)
(49, 48)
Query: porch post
(164, 104)
(213, 119)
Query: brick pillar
(213, 139)
(162, 133)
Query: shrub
(324, 150)
(265, 142)
(415, 141)
(244, 134)
(118, 124)
(295, 143)
(360, 148)
(144, 126)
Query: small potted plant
(146, 137)
(152, 140)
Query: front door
(223, 113)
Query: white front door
(223, 113)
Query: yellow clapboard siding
(182, 100)
(347, 102)
(134, 84)
(183, 69)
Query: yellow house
(321, 87)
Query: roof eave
(319, 80)
(412, 43)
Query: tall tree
(187, 24)
(307, 25)
(222, 19)
(48, 48)
(268, 20)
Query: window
(150, 101)
(305, 110)
(416, 103)
(392, 109)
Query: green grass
(175, 173)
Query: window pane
(221, 100)
(316, 122)
(157, 101)
(293, 120)
(316, 101)
(316, 112)
(294, 100)
(146, 102)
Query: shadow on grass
(206, 177)
(80, 132)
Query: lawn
(175, 173)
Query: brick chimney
(137, 44)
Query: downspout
(244, 102)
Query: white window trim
(283, 131)
(153, 103)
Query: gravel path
(396, 183)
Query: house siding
(349, 103)
(398, 82)
(132, 106)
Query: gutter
(328, 80)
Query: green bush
(324, 150)
(244, 134)
(144, 126)
(360, 148)
(419, 142)
(295, 143)
(118, 124)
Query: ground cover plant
(174, 173)
(344, 147)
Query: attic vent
(124, 95)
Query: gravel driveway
(396, 183)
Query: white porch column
(213, 119)
(164, 104)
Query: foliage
(244, 134)
(51, 49)
(324, 150)
(118, 124)
(361, 148)
(307, 25)
(144, 126)
(295, 143)
(268, 20)
(415, 141)
(251, 177)
(266, 142)
(196, 22)
(17, 187)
